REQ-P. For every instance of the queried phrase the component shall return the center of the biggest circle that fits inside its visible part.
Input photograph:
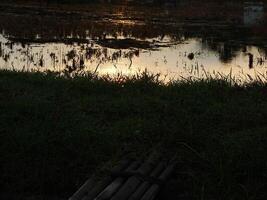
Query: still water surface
(176, 41)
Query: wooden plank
(144, 186)
(116, 184)
(131, 184)
(90, 183)
(154, 189)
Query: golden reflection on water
(177, 43)
(173, 61)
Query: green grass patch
(56, 131)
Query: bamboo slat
(154, 189)
(129, 180)
(131, 184)
(145, 185)
(116, 184)
(90, 184)
(83, 189)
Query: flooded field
(175, 40)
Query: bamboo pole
(154, 189)
(83, 189)
(145, 185)
(90, 183)
(116, 184)
(131, 184)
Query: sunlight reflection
(175, 41)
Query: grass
(55, 131)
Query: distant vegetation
(122, 1)
(56, 131)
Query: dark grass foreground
(56, 131)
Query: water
(177, 41)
